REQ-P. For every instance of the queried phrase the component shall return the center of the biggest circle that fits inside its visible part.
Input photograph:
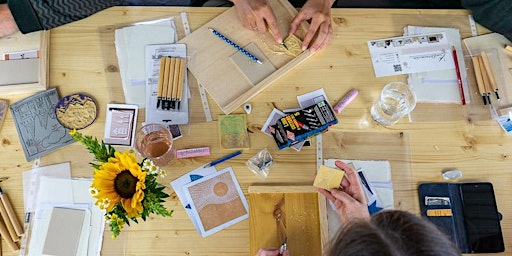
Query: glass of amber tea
(154, 141)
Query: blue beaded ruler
(236, 46)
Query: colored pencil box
(303, 124)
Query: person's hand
(256, 15)
(7, 24)
(318, 12)
(349, 200)
(271, 252)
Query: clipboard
(210, 61)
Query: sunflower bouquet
(124, 188)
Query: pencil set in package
(170, 82)
(302, 124)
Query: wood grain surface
(82, 59)
(294, 213)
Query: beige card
(254, 71)
(23, 71)
(328, 178)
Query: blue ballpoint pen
(225, 158)
(236, 46)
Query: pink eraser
(192, 152)
(351, 95)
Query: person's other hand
(256, 15)
(318, 12)
(349, 200)
(7, 24)
(271, 252)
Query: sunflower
(120, 180)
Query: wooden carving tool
(176, 74)
(170, 82)
(485, 79)
(5, 234)
(181, 78)
(165, 82)
(8, 223)
(479, 79)
(160, 81)
(10, 212)
(272, 33)
(490, 73)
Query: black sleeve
(496, 15)
(24, 15)
(34, 15)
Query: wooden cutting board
(303, 219)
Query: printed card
(217, 201)
(120, 124)
(411, 54)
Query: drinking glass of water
(154, 141)
(395, 101)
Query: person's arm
(496, 15)
(34, 15)
(7, 24)
(318, 13)
(349, 200)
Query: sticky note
(328, 178)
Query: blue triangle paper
(372, 208)
(194, 177)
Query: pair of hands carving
(257, 14)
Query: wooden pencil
(181, 79)
(160, 81)
(478, 76)
(165, 81)
(490, 73)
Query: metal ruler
(319, 151)
(202, 91)
(472, 25)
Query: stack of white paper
(130, 43)
(50, 193)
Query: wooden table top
(81, 60)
